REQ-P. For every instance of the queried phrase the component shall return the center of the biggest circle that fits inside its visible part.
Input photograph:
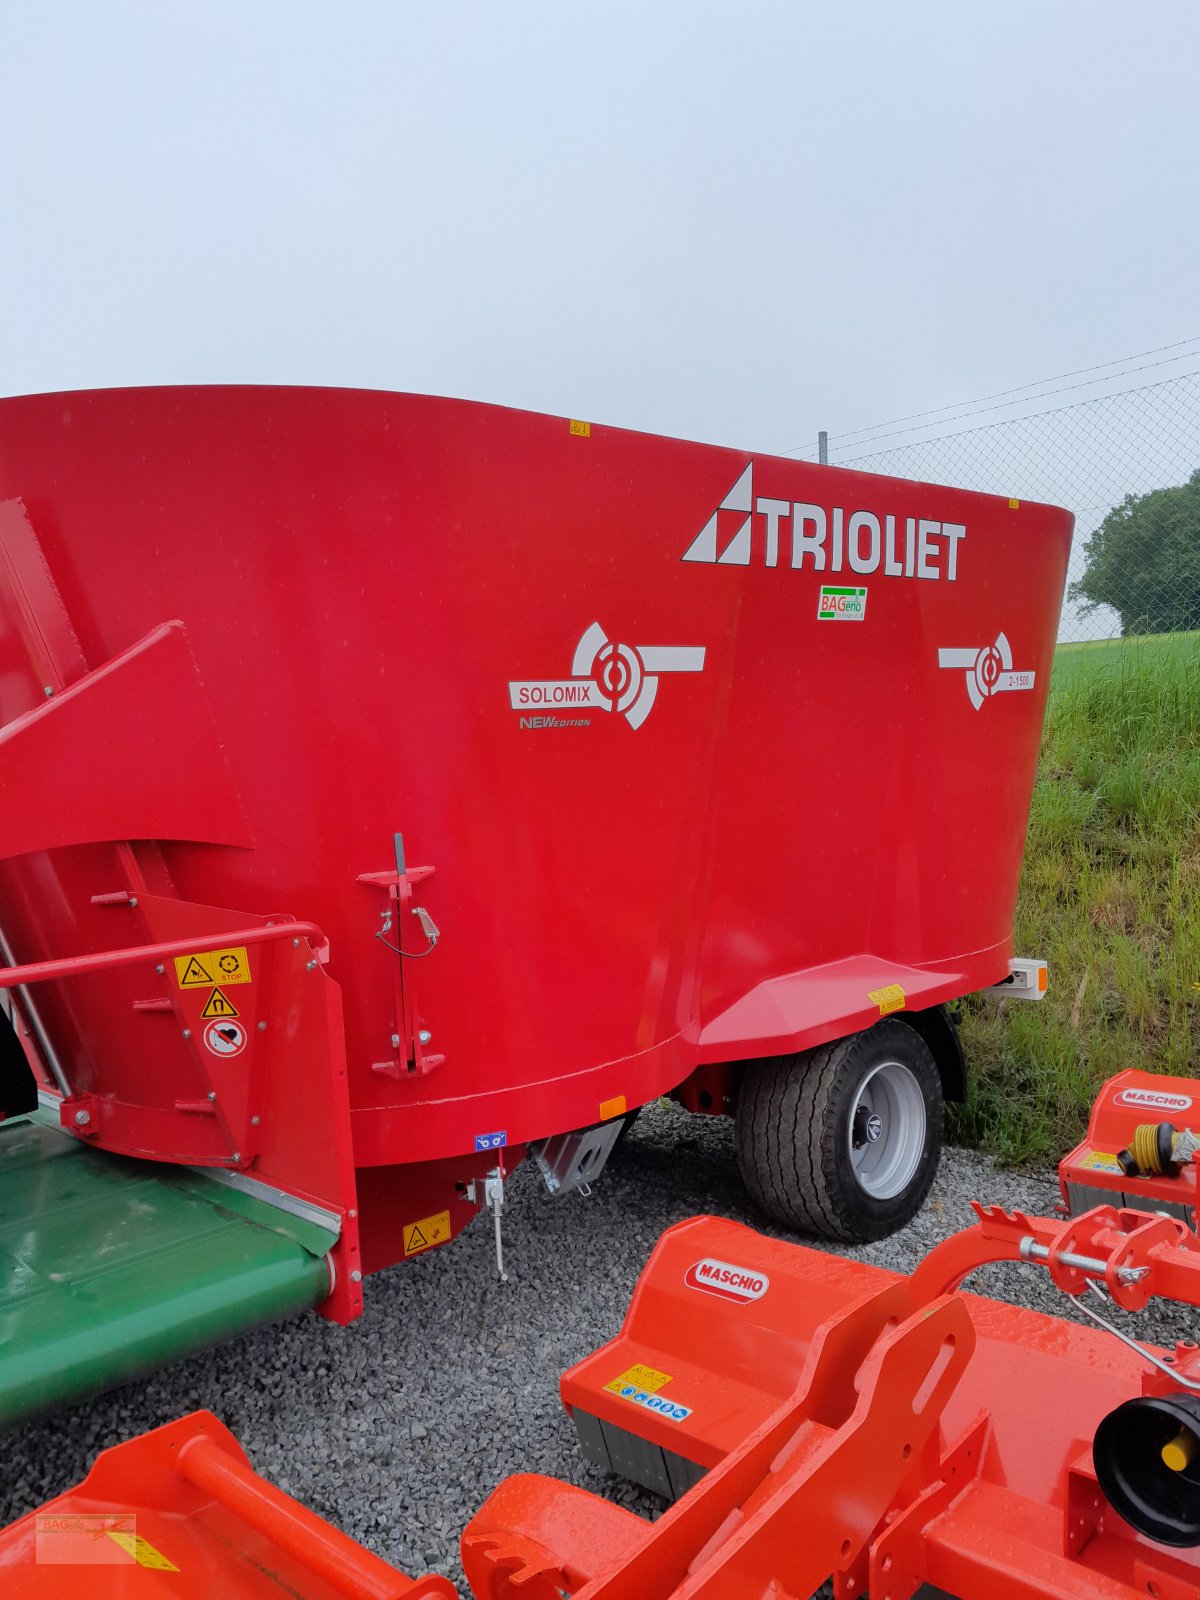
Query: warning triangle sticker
(218, 1005)
(416, 1241)
(194, 974)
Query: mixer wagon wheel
(843, 1141)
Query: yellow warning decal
(425, 1234)
(891, 998)
(581, 430)
(641, 1377)
(1014, 505)
(218, 1005)
(142, 1551)
(209, 967)
(616, 1107)
(1100, 1161)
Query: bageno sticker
(890, 998)
(143, 1552)
(740, 1284)
(1154, 1100)
(425, 1234)
(209, 967)
(841, 605)
(639, 1376)
(1101, 1161)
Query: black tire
(803, 1142)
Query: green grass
(1110, 896)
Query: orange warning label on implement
(143, 1552)
(209, 967)
(218, 1005)
(641, 1377)
(425, 1234)
(891, 998)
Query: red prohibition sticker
(740, 1284)
(225, 1038)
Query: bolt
(237, 1155)
(295, 944)
(310, 965)
(352, 1212)
(47, 690)
(262, 1027)
(425, 1036)
(82, 1118)
(212, 1094)
(187, 1033)
(254, 1121)
(133, 900)
(356, 1276)
(160, 969)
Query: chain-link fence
(1137, 571)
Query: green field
(1110, 896)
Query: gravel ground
(397, 1428)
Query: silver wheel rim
(887, 1130)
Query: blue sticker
(491, 1141)
(654, 1402)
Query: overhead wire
(915, 417)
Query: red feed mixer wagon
(391, 787)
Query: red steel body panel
(352, 595)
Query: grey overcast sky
(737, 222)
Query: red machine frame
(249, 637)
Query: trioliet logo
(740, 1284)
(1154, 1100)
(759, 530)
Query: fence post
(823, 448)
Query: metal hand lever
(1146, 1355)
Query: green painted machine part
(110, 1268)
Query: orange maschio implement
(180, 1512)
(1140, 1149)
(816, 1416)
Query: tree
(1144, 561)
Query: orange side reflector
(1043, 979)
(616, 1107)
